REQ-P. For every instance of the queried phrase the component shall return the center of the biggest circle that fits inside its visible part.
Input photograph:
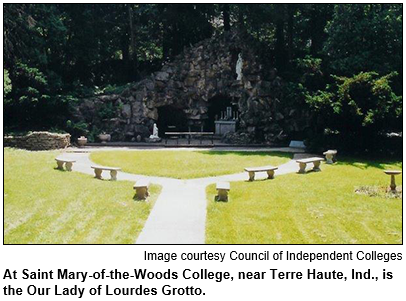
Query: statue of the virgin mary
(238, 67)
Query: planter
(82, 141)
(104, 138)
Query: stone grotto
(218, 78)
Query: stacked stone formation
(38, 141)
(188, 82)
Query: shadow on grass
(249, 153)
(137, 199)
(257, 180)
(217, 199)
(58, 169)
(365, 163)
(311, 170)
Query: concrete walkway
(178, 217)
(179, 214)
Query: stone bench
(303, 162)
(68, 163)
(141, 189)
(269, 169)
(99, 169)
(330, 154)
(222, 191)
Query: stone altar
(227, 122)
(225, 126)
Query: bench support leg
(329, 159)
(98, 173)
(222, 195)
(302, 167)
(113, 175)
(316, 166)
(271, 174)
(251, 175)
(60, 165)
(142, 193)
(392, 183)
(68, 166)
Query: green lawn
(44, 205)
(187, 164)
(312, 208)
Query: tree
(133, 41)
(55, 54)
(184, 25)
(7, 83)
(226, 16)
(364, 37)
(357, 110)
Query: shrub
(357, 110)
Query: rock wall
(188, 83)
(38, 141)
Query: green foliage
(309, 63)
(93, 133)
(294, 93)
(115, 89)
(7, 83)
(365, 97)
(330, 57)
(77, 129)
(107, 111)
(30, 85)
(364, 37)
(356, 109)
(81, 128)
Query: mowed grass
(46, 206)
(315, 208)
(187, 164)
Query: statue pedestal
(225, 126)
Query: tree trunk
(124, 47)
(280, 55)
(240, 16)
(126, 62)
(133, 44)
(226, 17)
(315, 33)
(291, 12)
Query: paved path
(179, 214)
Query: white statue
(238, 67)
(154, 132)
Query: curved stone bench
(68, 163)
(99, 169)
(269, 169)
(303, 162)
